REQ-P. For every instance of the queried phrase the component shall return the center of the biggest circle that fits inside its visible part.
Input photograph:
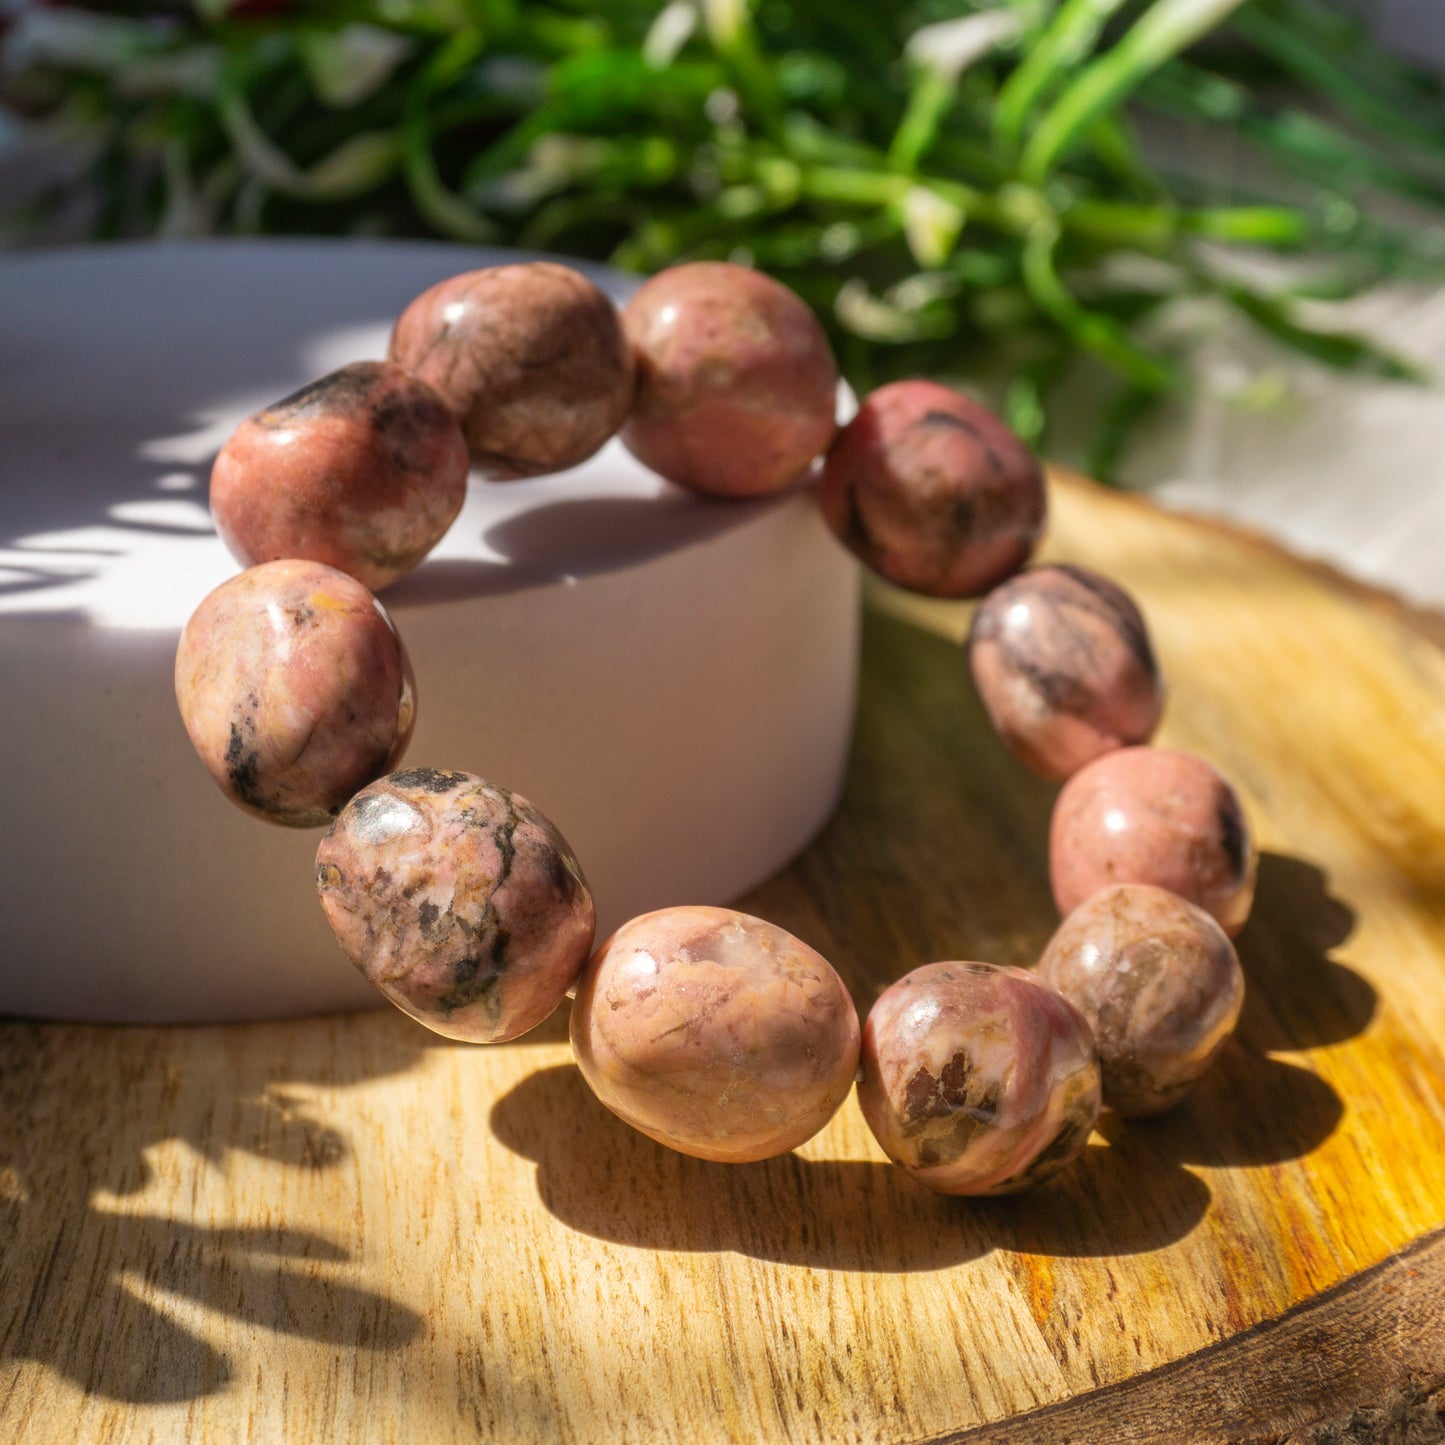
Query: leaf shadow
(87, 1278)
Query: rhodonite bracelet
(713, 1032)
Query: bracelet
(713, 1032)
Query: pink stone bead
(932, 491)
(1062, 661)
(1160, 985)
(531, 358)
(1147, 815)
(715, 1033)
(736, 383)
(363, 470)
(978, 1079)
(295, 689)
(459, 900)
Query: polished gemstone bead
(736, 383)
(715, 1033)
(1062, 661)
(1149, 815)
(459, 900)
(1159, 983)
(363, 470)
(295, 689)
(532, 359)
(932, 491)
(978, 1079)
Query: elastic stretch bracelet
(713, 1032)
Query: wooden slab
(344, 1229)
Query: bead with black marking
(932, 491)
(364, 470)
(1152, 815)
(978, 1079)
(459, 900)
(295, 689)
(1159, 983)
(1062, 660)
(530, 357)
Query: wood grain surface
(344, 1229)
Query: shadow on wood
(1298, 996)
(1249, 1110)
(937, 813)
(601, 1177)
(84, 1268)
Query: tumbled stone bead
(932, 491)
(1159, 983)
(978, 1079)
(532, 359)
(715, 1033)
(295, 689)
(363, 470)
(1062, 661)
(460, 901)
(736, 382)
(1148, 815)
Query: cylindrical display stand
(670, 679)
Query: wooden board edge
(1343, 1350)
(1427, 621)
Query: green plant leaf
(1339, 350)
(1165, 28)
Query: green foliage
(958, 188)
